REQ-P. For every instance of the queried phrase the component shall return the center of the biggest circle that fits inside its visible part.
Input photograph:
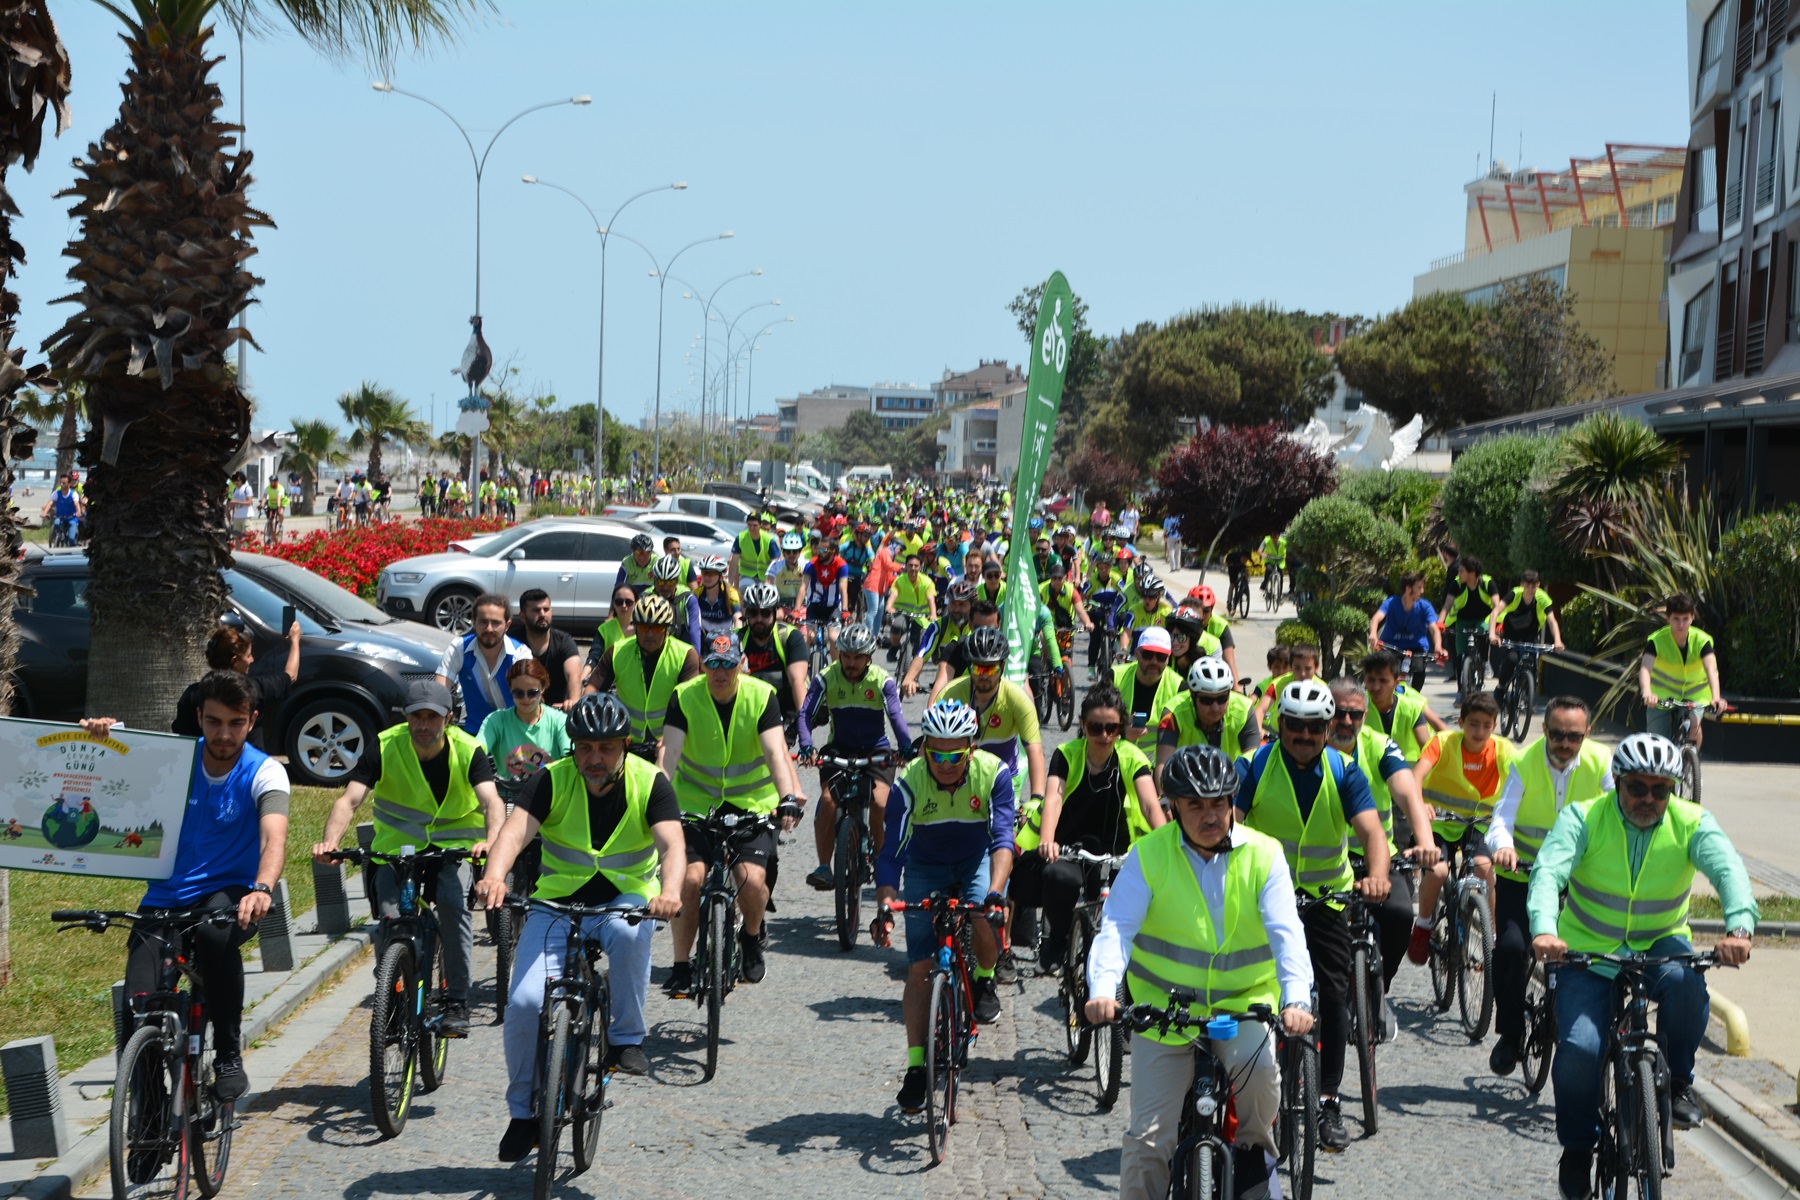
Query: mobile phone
(288, 616)
(1140, 719)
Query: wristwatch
(264, 888)
(1739, 932)
(1301, 1005)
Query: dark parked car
(353, 675)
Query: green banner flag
(1046, 370)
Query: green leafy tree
(862, 441)
(377, 416)
(1538, 356)
(1486, 486)
(1424, 360)
(1402, 496)
(1346, 551)
(313, 448)
(1762, 633)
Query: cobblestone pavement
(803, 1102)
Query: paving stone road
(803, 1102)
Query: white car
(574, 559)
(699, 536)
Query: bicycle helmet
(1035, 524)
(653, 610)
(792, 541)
(761, 594)
(598, 718)
(856, 639)
(985, 645)
(1149, 583)
(1209, 676)
(1307, 700)
(960, 591)
(1143, 572)
(711, 562)
(950, 719)
(1647, 754)
(1186, 623)
(642, 542)
(666, 567)
(1199, 772)
(1204, 596)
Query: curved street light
(706, 309)
(732, 325)
(661, 273)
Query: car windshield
(500, 543)
(317, 592)
(265, 606)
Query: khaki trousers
(1162, 1077)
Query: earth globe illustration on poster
(69, 826)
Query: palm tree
(161, 267)
(378, 415)
(459, 446)
(1611, 458)
(313, 448)
(505, 420)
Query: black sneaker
(520, 1139)
(1684, 1110)
(453, 1021)
(680, 983)
(750, 956)
(1006, 970)
(820, 880)
(911, 1096)
(629, 1059)
(229, 1080)
(1332, 1135)
(1574, 1174)
(987, 1001)
(1505, 1056)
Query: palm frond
(375, 31)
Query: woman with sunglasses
(526, 737)
(617, 625)
(1100, 795)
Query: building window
(1703, 192)
(1712, 54)
(1665, 210)
(1694, 321)
(1767, 157)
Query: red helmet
(1203, 595)
(1124, 553)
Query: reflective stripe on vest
(406, 813)
(1674, 676)
(720, 766)
(1606, 907)
(1538, 809)
(1189, 733)
(1318, 852)
(1446, 787)
(647, 706)
(628, 860)
(1371, 745)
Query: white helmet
(666, 567)
(1307, 700)
(792, 541)
(1209, 676)
(950, 719)
(712, 562)
(1647, 754)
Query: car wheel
(327, 739)
(453, 610)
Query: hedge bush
(1403, 497)
(1760, 650)
(1346, 543)
(1483, 494)
(1581, 620)
(1343, 630)
(1295, 633)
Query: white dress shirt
(1506, 810)
(1129, 900)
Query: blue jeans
(966, 880)
(1584, 1008)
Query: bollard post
(331, 901)
(276, 932)
(40, 1127)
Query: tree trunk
(374, 456)
(68, 437)
(309, 494)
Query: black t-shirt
(1094, 805)
(605, 811)
(267, 688)
(1143, 700)
(770, 718)
(762, 656)
(436, 770)
(557, 651)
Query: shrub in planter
(1580, 620)
(1482, 495)
(1295, 633)
(1760, 651)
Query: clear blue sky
(899, 172)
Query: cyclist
(1522, 616)
(1395, 709)
(275, 505)
(1148, 687)
(232, 848)
(1207, 905)
(665, 579)
(481, 660)
(1392, 784)
(1468, 602)
(950, 630)
(1561, 768)
(1303, 664)
(1100, 794)
(826, 577)
(434, 786)
(636, 568)
(66, 508)
(1277, 660)
(1189, 640)
(859, 556)
(914, 606)
(1627, 861)
(1063, 599)
(671, 547)
(751, 552)
(852, 696)
(528, 736)
(645, 669)
(1408, 622)
(1204, 600)
(787, 573)
(774, 652)
(611, 829)
(949, 830)
(1274, 552)
(1210, 713)
(717, 600)
(723, 733)
(993, 580)
(1678, 663)
(1149, 608)
(1460, 772)
(617, 625)
(1311, 799)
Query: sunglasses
(750, 614)
(945, 758)
(1637, 789)
(1152, 656)
(1211, 701)
(1103, 728)
(1352, 715)
(642, 627)
(528, 693)
(1557, 735)
(1300, 726)
(985, 669)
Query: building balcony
(984, 446)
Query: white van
(881, 474)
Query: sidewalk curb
(1781, 1156)
(87, 1157)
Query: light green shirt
(502, 732)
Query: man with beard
(644, 669)
(555, 650)
(773, 652)
(479, 663)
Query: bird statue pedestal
(471, 421)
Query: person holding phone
(229, 649)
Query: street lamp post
(750, 380)
(706, 309)
(732, 325)
(662, 280)
(605, 231)
(479, 161)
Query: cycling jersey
(788, 580)
(825, 588)
(1009, 720)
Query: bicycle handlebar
(423, 854)
(1699, 960)
(943, 904)
(631, 916)
(732, 824)
(1087, 856)
(99, 919)
(1176, 1016)
(868, 762)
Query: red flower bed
(353, 558)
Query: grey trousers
(454, 923)
(1161, 1077)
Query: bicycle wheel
(1072, 991)
(553, 1101)
(1040, 697)
(1298, 1139)
(1443, 952)
(210, 1125)
(1109, 1058)
(846, 878)
(903, 657)
(1539, 1046)
(1469, 678)
(434, 1049)
(1268, 591)
(940, 1067)
(148, 1138)
(1475, 983)
(717, 973)
(393, 1040)
(590, 1086)
(500, 928)
(1647, 1162)
(1612, 1155)
(1363, 1018)
(1690, 774)
(1065, 699)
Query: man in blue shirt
(233, 844)
(1407, 623)
(66, 506)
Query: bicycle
(1071, 988)
(406, 1051)
(1297, 1121)
(1637, 1140)
(571, 1067)
(1271, 587)
(951, 1029)
(1106, 606)
(503, 924)
(1471, 673)
(1237, 599)
(167, 1125)
(1518, 695)
(853, 854)
(1462, 938)
(1202, 1167)
(905, 633)
(273, 518)
(1684, 719)
(819, 635)
(715, 940)
(1537, 1050)
(65, 531)
(1062, 691)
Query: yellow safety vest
(407, 814)
(1608, 909)
(1318, 852)
(755, 555)
(912, 598)
(719, 765)
(1409, 710)
(1448, 789)
(1678, 676)
(1130, 760)
(628, 860)
(1189, 733)
(1370, 746)
(1168, 690)
(647, 706)
(1537, 806)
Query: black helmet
(985, 645)
(642, 542)
(1184, 622)
(598, 718)
(1199, 771)
(961, 590)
